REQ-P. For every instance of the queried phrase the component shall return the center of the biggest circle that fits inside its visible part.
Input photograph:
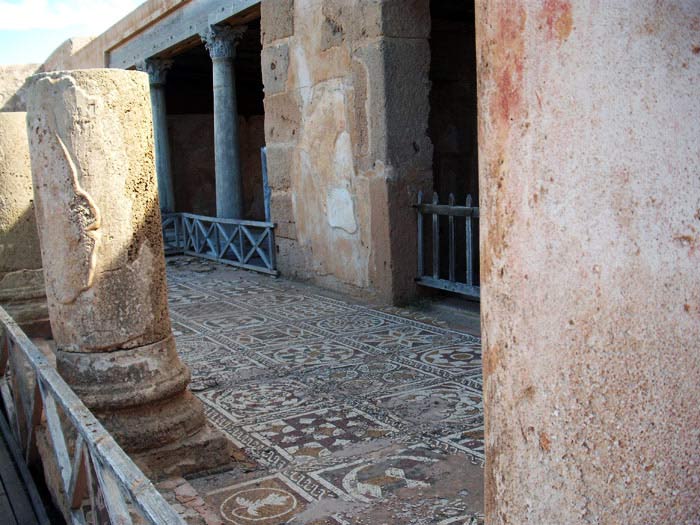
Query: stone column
(589, 120)
(221, 41)
(22, 291)
(98, 215)
(157, 70)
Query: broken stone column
(589, 120)
(22, 291)
(98, 214)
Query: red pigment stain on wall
(556, 15)
(508, 64)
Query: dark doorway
(449, 239)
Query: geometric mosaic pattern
(331, 398)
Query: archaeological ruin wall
(345, 127)
(22, 291)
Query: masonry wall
(590, 248)
(13, 88)
(346, 114)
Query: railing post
(32, 452)
(451, 219)
(470, 269)
(420, 234)
(267, 192)
(436, 239)
(4, 352)
(272, 248)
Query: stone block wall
(13, 90)
(346, 115)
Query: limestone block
(277, 19)
(293, 258)
(280, 158)
(275, 63)
(13, 87)
(19, 241)
(349, 22)
(100, 235)
(282, 209)
(22, 291)
(282, 118)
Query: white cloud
(87, 17)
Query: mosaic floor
(352, 414)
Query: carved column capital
(221, 40)
(157, 69)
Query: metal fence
(242, 243)
(100, 483)
(246, 244)
(458, 273)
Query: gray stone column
(98, 219)
(157, 70)
(221, 41)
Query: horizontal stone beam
(176, 27)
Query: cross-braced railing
(100, 483)
(461, 251)
(172, 233)
(246, 244)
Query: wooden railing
(438, 276)
(100, 483)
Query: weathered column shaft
(157, 72)
(22, 291)
(589, 127)
(98, 215)
(221, 41)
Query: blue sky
(31, 29)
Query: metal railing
(242, 243)
(441, 276)
(172, 233)
(100, 483)
(246, 244)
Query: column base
(207, 451)
(23, 296)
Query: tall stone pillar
(157, 70)
(98, 215)
(221, 41)
(22, 291)
(589, 120)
